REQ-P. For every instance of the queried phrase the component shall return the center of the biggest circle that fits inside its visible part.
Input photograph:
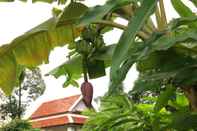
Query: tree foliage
(18, 125)
(30, 89)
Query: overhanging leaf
(72, 13)
(182, 21)
(97, 13)
(158, 67)
(32, 48)
(183, 10)
(46, 1)
(166, 41)
(6, 0)
(8, 70)
(127, 39)
(72, 66)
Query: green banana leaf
(33, 48)
(33, 1)
(72, 68)
(97, 13)
(183, 10)
(127, 39)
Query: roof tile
(55, 107)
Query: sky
(18, 17)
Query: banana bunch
(83, 47)
(90, 42)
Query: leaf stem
(158, 18)
(84, 64)
(141, 34)
(163, 14)
(111, 23)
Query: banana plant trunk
(191, 94)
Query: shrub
(18, 125)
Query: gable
(80, 106)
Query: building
(60, 115)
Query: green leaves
(6, 0)
(8, 69)
(18, 125)
(32, 49)
(165, 42)
(183, 10)
(33, 1)
(128, 37)
(158, 42)
(72, 13)
(184, 121)
(164, 97)
(97, 13)
(142, 85)
(72, 68)
(117, 113)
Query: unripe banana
(83, 47)
(89, 35)
(99, 42)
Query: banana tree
(33, 47)
(165, 53)
(146, 44)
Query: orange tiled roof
(54, 107)
(50, 122)
(58, 121)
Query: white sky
(18, 17)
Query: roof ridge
(61, 98)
